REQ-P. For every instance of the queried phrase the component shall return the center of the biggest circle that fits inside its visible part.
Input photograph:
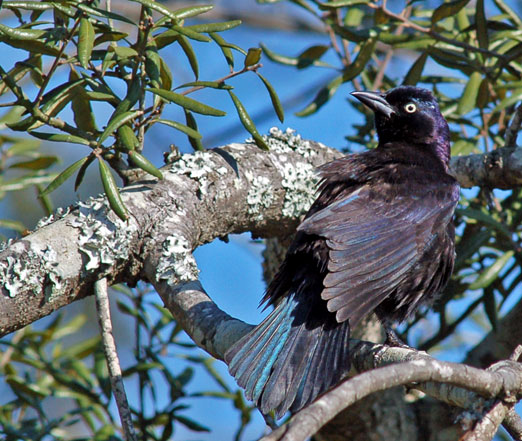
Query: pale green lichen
(260, 193)
(103, 237)
(177, 264)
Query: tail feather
(297, 353)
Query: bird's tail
(298, 352)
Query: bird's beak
(376, 102)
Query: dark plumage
(378, 238)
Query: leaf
(59, 137)
(414, 74)
(165, 74)
(117, 121)
(91, 10)
(40, 163)
(481, 25)
(143, 163)
(490, 307)
(447, 10)
(85, 42)
(181, 127)
(341, 4)
(253, 56)
(193, 35)
(468, 99)
(214, 27)
(112, 191)
(361, 60)
(483, 94)
(63, 176)
(153, 64)
(127, 138)
(211, 84)
(192, 11)
(191, 122)
(485, 218)
(22, 33)
(491, 273)
(322, 97)
(247, 122)
(192, 425)
(286, 60)
(81, 172)
(313, 53)
(276, 103)
(189, 53)
(186, 102)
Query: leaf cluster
(41, 365)
(102, 52)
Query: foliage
(101, 53)
(43, 368)
(468, 53)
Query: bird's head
(408, 114)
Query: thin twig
(514, 127)
(113, 363)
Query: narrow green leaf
(112, 191)
(165, 75)
(310, 55)
(414, 74)
(23, 34)
(59, 137)
(190, 33)
(483, 93)
(214, 27)
(247, 121)
(117, 121)
(63, 176)
(485, 218)
(490, 306)
(159, 8)
(341, 4)
(91, 10)
(514, 98)
(189, 53)
(361, 60)
(181, 127)
(223, 45)
(85, 42)
(186, 102)
(276, 103)
(468, 99)
(211, 84)
(33, 46)
(153, 64)
(322, 97)
(191, 424)
(491, 273)
(81, 172)
(481, 25)
(123, 52)
(36, 164)
(253, 56)
(128, 139)
(447, 10)
(286, 60)
(192, 11)
(143, 163)
(191, 123)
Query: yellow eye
(410, 108)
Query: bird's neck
(417, 151)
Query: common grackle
(379, 238)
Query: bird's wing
(373, 243)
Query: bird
(379, 238)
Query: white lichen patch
(260, 193)
(177, 264)
(103, 237)
(197, 166)
(288, 141)
(57, 215)
(300, 182)
(22, 275)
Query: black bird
(379, 238)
